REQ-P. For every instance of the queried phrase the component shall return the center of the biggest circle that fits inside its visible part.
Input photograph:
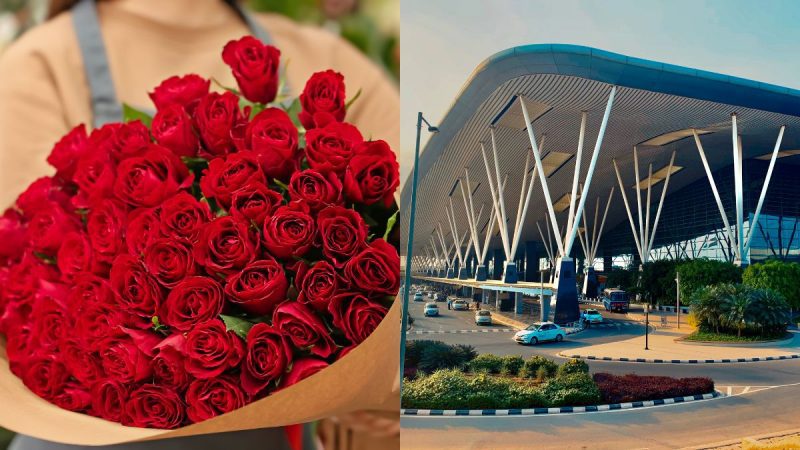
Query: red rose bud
(273, 137)
(49, 315)
(24, 279)
(105, 226)
(109, 398)
(143, 228)
(95, 177)
(150, 179)
(12, 235)
(153, 406)
(211, 350)
(137, 291)
(45, 375)
(323, 100)
(170, 261)
(74, 397)
(41, 195)
(254, 202)
(290, 232)
(330, 148)
(212, 397)
(68, 151)
(267, 357)
(75, 255)
(191, 302)
(227, 174)
(255, 67)
(173, 129)
(317, 285)
(315, 189)
(373, 174)
(169, 362)
(375, 270)
(185, 91)
(216, 115)
(258, 288)
(356, 315)
(343, 233)
(47, 228)
(226, 245)
(304, 328)
(302, 369)
(184, 216)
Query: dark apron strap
(105, 105)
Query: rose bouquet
(180, 267)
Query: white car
(539, 332)
(431, 309)
(483, 317)
(459, 305)
(592, 316)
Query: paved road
(757, 411)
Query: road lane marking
(730, 390)
(493, 330)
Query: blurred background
(373, 26)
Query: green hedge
(511, 365)
(702, 272)
(486, 363)
(429, 356)
(538, 367)
(777, 275)
(572, 366)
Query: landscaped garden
(442, 376)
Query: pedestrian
(448, 303)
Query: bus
(615, 300)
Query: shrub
(414, 351)
(451, 389)
(511, 365)
(697, 273)
(740, 309)
(572, 366)
(538, 367)
(777, 275)
(486, 363)
(630, 387)
(574, 389)
(435, 355)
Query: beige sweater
(44, 93)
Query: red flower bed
(631, 388)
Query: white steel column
(496, 200)
(576, 176)
(627, 208)
(739, 188)
(764, 189)
(647, 216)
(661, 203)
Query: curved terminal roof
(655, 105)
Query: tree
(782, 277)
(701, 272)
(738, 309)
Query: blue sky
(442, 41)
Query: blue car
(431, 309)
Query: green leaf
(293, 109)
(157, 325)
(238, 325)
(390, 224)
(222, 86)
(129, 114)
(352, 100)
(45, 258)
(281, 184)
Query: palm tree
(707, 306)
(770, 309)
(738, 308)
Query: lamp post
(646, 325)
(678, 298)
(410, 244)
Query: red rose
(169, 260)
(95, 312)
(323, 100)
(226, 245)
(304, 328)
(255, 201)
(47, 228)
(185, 91)
(183, 216)
(301, 369)
(75, 256)
(19, 349)
(211, 349)
(95, 177)
(330, 148)
(273, 137)
(12, 235)
(68, 151)
(191, 302)
(317, 285)
(49, 315)
(150, 179)
(356, 315)
(316, 189)
(216, 115)
(212, 397)
(126, 140)
(173, 129)
(267, 358)
(343, 233)
(108, 399)
(143, 228)
(45, 375)
(376, 270)
(126, 355)
(255, 67)
(82, 364)
(227, 174)
(290, 232)
(74, 397)
(169, 362)
(25, 277)
(153, 406)
(137, 291)
(106, 228)
(258, 288)
(373, 174)
(41, 195)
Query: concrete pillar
(518, 303)
(497, 300)
(608, 263)
(531, 261)
(544, 312)
(499, 258)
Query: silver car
(483, 317)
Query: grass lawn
(710, 336)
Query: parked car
(431, 309)
(418, 297)
(460, 305)
(430, 294)
(540, 332)
(483, 317)
(438, 297)
(592, 316)
(615, 300)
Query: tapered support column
(590, 284)
(510, 272)
(518, 303)
(567, 309)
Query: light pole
(646, 325)
(678, 298)
(410, 244)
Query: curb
(682, 361)
(557, 410)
